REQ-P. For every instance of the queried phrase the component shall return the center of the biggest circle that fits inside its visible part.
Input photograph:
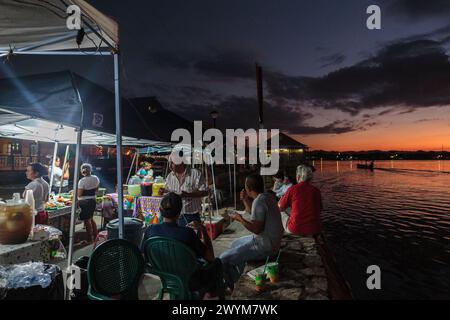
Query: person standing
(190, 184)
(265, 226)
(60, 176)
(87, 188)
(305, 202)
(40, 188)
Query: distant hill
(380, 155)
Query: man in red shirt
(305, 202)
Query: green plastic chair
(174, 263)
(114, 270)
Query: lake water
(396, 217)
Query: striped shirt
(193, 181)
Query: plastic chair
(114, 270)
(174, 263)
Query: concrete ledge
(302, 274)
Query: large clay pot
(15, 222)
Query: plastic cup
(272, 271)
(260, 281)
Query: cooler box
(216, 228)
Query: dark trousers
(209, 278)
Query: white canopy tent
(33, 26)
(39, 27)
(22, 127)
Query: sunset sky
(328, 81)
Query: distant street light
(214, 114)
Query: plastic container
(272, 272)
(156, 187)
(100, 192)
(133, 230)
(134, 190)
(146, 189)
(16, 220)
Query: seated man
(305, 203)
(265, 226)
(207, 276)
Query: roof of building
(286, 141)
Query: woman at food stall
(145, 170)
(87, 188)
(40, 188)
(148, 168)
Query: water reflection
(397, 217)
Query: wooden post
(64, 169)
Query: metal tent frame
(86, 11)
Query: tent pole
(137, 160)
(214, 186)
(55, 152)
(62, 53)
(230, 180)
(118, 110)
(234, 169)
(74, 203)
(131, 168)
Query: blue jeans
(233, 260)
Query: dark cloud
(426, 120)
(401, 77)
(332, 60)
(228, 65)
(388, 111)
(170, 59)
(412, 73)
(241, 112)
(416, 9)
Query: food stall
(48, 112)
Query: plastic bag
(27, 275)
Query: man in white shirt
(264, 224)
(190, 184)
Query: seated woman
(277, 182)
(87, 188)
(207, 276)
(287, 183)
(40, 188)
